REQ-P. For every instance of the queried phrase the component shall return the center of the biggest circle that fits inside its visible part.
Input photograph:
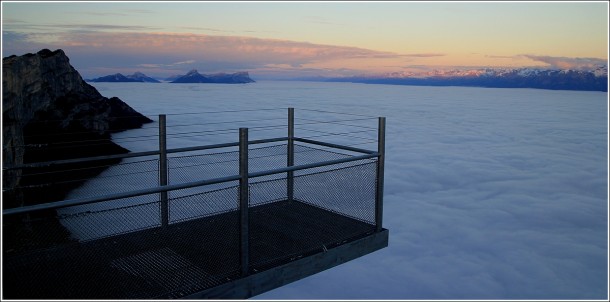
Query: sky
(303, 39)
(489, 193)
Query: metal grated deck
(186, 258)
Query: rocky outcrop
(219, 78)
(50, 113)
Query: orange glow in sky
(317, 38)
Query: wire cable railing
(150, 137)
(153, 209)
(32, 174)
(355, 140)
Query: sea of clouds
(489, 193)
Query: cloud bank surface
(486, 197)
(489, 193)
(569, 63)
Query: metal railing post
(380, 172)
(290, 163)
(163, 170)
(243, 202)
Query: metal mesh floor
(185, 258)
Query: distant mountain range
(195, 77)
(593, 80)
(136, 77)
(191, 77)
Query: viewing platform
(229, 220)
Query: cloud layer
(97, 49)
(163, 49)
(569, 63)
(489, 193)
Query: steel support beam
(164, 204)
(243, 202)
(290, 161)
(380, 174)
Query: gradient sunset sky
(302, 39)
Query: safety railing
(256, 194)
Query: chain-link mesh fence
(349, 191)
(329, 208)
(119, 248)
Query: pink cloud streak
(225, 47)
(569, 63)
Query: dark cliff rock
(219, 78)
(50, 113)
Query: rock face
(220, 78)
(50, 113)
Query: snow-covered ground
(489, 193)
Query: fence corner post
(243, 202)
(163, 170)
(290, 152)
(380, 175)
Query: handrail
(163, 187)
(144, 153)
(225, 145)
(79, 160)
(313, 165)
(348, 148)
(159, 189)
(107, 197)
